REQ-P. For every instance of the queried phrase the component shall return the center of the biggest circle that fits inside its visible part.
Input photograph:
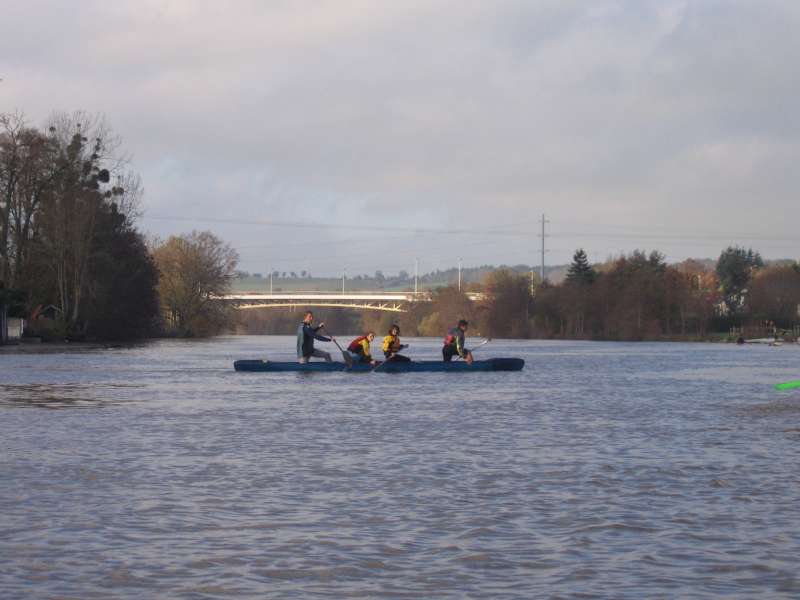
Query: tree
(507, 310)
(195, 269)
(735, 269)
(580, 271)
(775, 295)
(448, 305)
(122, 297)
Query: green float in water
(789, 385)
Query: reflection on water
(55, 396)
(601, 470)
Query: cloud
(610, 116)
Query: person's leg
(401, 358)
(447, 353)
(322, 354)
(303, 360)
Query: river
(609, 470)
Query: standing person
(359, 348)
(454, 343)
(306, 334)
(392, 345)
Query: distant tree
(303, 274)
(775, 295)
(194, 268)
(283, 275)
(448, 305)
(403, 275)
(580, 271)
(293, 275)
(379, 276)
(506, 312)
(735, 269)
(257, 276)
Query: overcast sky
(435, 129)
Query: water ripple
(602, 470)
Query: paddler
(306, 334)
(392, 345)
(359, 348)
(454, 343)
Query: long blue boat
(422, 366)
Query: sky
(345, 135)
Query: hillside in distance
(471, 278)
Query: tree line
(640, 297)
(72, 260)
(74, 263)
(637, 296)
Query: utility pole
(344, 273)
(271, 271)
(541, 270)
(532, 288)
(459, 274)
(416, 274)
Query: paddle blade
(347, 359)
(789, 385)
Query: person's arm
(460, 345)
(314, 331)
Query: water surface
(601, 470)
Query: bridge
(384, 301)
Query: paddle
(345, 355)
(789, 385)
(484, 342)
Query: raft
(422, 366)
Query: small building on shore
(14, 328)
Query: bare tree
(195, 269)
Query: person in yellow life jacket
(359, 348)
(392, 345)
(454, 344)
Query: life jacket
(356, 343)
(455, 338)
(360, 345)
(391, 343)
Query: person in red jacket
(454, 344)
(359, 348)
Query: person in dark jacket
(306, 334)
(454, 344)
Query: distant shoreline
(46, 347)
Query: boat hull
(423, 366)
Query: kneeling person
(306, 334)
(392, 345)
(454, 344)
(359, 348)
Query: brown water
(601, 470)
